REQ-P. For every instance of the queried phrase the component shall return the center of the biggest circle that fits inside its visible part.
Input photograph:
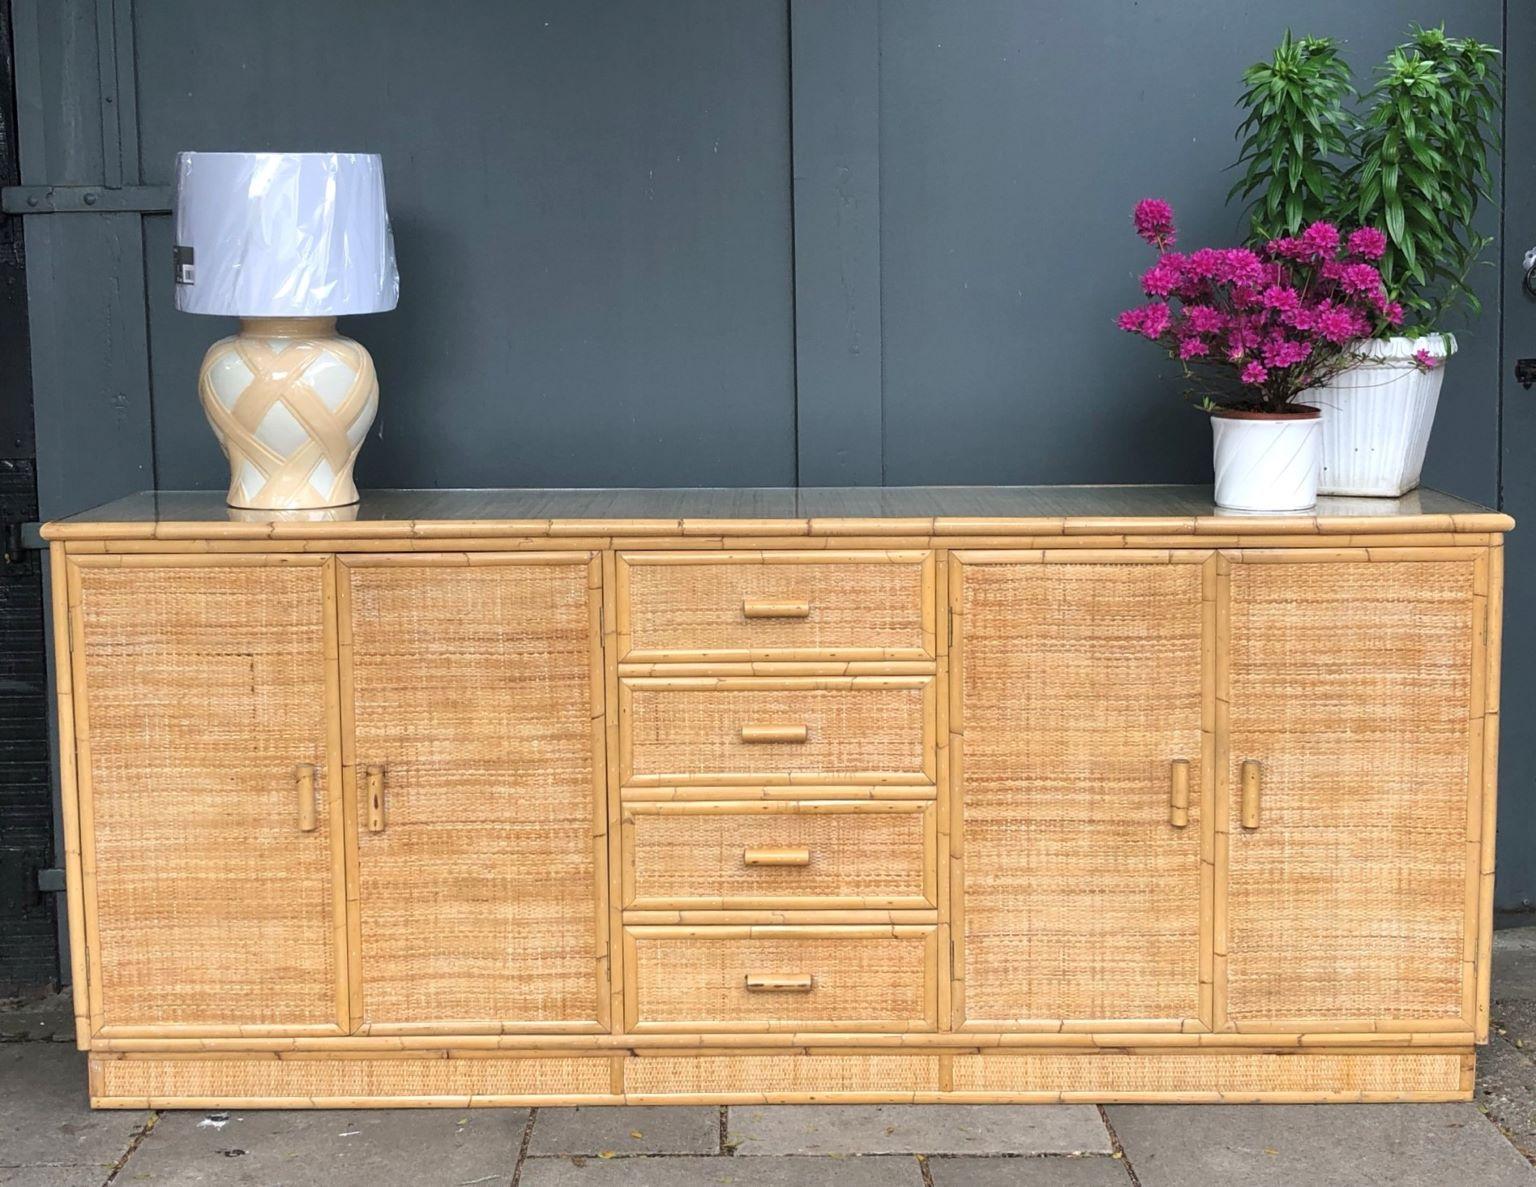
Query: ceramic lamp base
(290, 401)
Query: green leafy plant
(1410, 156)
(1421, 166)
(1296, 130)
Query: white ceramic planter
(1377, 416)
(1266, 461)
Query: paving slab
(1050, 1170)
(712, 1172)
(46, 1122)
(916, 1129)
(39, 1019)
(1506, 1088)
(1317, 1146)
(1514, 964)
(329, 1148)
(623, 1130)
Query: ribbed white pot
(1377, 416)
(1266, 461)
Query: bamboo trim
(1178, 793)
(335, 794)
(614, 608)
(1219, 829)
(69, 791)
(1212, 782)
(937, 600)
(86, 797)
(342, 583)
(1487, 793)
(1482, 521)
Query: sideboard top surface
(768, 511)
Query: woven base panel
(465, 1079)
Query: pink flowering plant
(1254, 329)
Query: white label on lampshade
(181, 256)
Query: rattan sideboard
(950, 794)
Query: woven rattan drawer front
(735, 606)
(730, 730)
(830, 978)
(751, 856)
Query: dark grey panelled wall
(694, 242)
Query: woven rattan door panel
(212, 866)
(734, 606)
(1352, 898)
(473, 701)
(1075, 689)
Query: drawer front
(779, 856)
(844, 978)
(739, 606)
(867, 729)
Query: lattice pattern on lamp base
(290, 401)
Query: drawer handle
(774, 733)
(765, 608)
(375, 799)
(1250, 816)
(776, 857)
(780, 983)
(304, 784)
(1178, 793)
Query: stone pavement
(48, 1138)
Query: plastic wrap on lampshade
(270, 234)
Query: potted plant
(1255, 331)
(1414, 163)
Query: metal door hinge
(16, 538)
(50, 881)
(85, 199)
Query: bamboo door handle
(304, 785)
(780, 983)
(1178, 793)
(375, 799)
(774, 733)
(1250, 806)
(767, 608)
(776, 857)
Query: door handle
(766, 608)
(780, 983)
(304, 785)
(1178, 793)
(776, 857)
(774, 733)
(375, 799)
(1250, 802)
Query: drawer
(738, 606)
(837, 978)
(732, 730)
(767, 856)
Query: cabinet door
(1076, 694)
(474, 691)
(1352, 691)
(212, 890)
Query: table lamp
(286, 242)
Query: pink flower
(1163, 277)
(1393, 313)
(1150, 321)
(1368, 243)
(1426, 361)
(1339, 324)
(1280, 351)
(1254, 373)
(1363, 279)
(1154, 222)
(1287, 248)
(1203, 319)
(1321, 241)
(1241, 266)
(1281, 297)
(1193, 348)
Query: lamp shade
(269, 234)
